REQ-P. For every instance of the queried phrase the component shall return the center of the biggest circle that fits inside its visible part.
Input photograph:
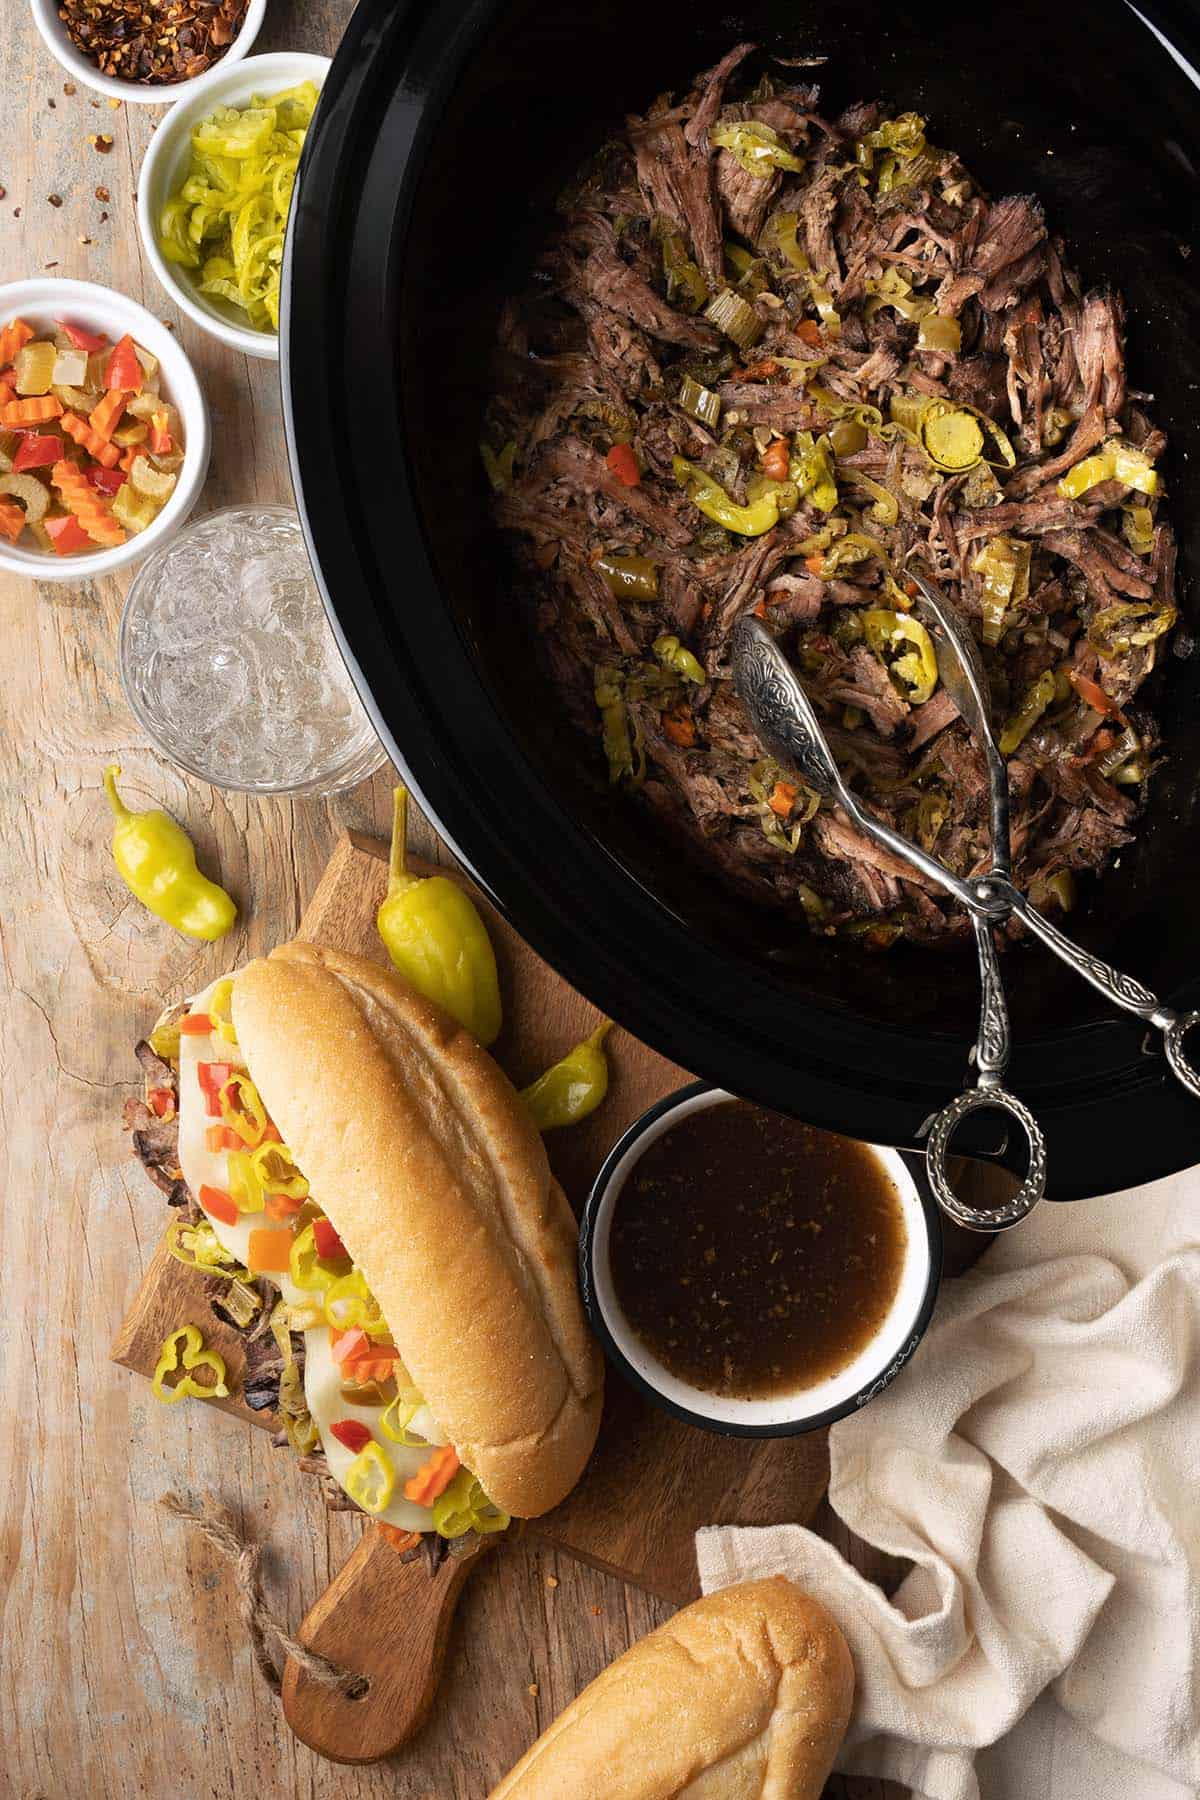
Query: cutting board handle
(388, 1620)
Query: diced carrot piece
(12, 520)
(623, 462)
(15, 335)
(35, 409)
(680, 728)
(269, 1252)
(105, 416)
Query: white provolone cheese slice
(323, 1391)
(203, 1167)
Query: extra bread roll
(429, 1166)
(743, 1696)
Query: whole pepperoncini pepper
(572, 1088)
(437, 940)
(156, 860)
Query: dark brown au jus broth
(754, 1255)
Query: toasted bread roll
(743, 1696)
(435, 1177)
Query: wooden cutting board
(651, 1481)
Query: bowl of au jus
(751, 1274)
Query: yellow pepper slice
(370, 1479)
(1117, 461)
(275, 1167)
(674, 655)
(463, 1506)
(703, 492)
(397, 1415)
(185, 1348)
(245, 1188)
(219, 1010)
(242, 1108)
(198, 1247)
(1038, 697)
(350, 1302)
(1003, 564)
(306, 1268)
(916, 668)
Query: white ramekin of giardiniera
(43, 303)
(164, 166)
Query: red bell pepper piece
(213, 1077)
(36, 452)
(124, 369)
(106, 481)
(220, 1204)
(161, 1101)
(160, 436)
(196, 1025)
(624, 465)
(329, 1245)
(83, 340)
(344, 1346)
(351, 1432)
(67, 534)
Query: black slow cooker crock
(444, 133)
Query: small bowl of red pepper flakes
(104, 433)
(146, 51)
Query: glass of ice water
(228, 661)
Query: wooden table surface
(124, 1670)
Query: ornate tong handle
(1121, 989)
(991, 1060)
(992, 1098)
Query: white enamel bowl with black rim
(780, 1415)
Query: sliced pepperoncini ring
(184, 1348)
(349, 1302)
(306, 1268)
(198, 1247)
(916, 668)
(370, 1479)
(242, 1109)
(463, 1506)
(244, 1186)
(276, 1169)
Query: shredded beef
(888, 229)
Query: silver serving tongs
(966, 682)
(783, 716)
(781, 712)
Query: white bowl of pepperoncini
(753, 1275)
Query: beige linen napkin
(1039, 1464)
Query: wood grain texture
(124, 1671)
(388, 1620)
(677, 1478)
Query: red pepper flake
(3, 191)
(152, 41)
(102, 193)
